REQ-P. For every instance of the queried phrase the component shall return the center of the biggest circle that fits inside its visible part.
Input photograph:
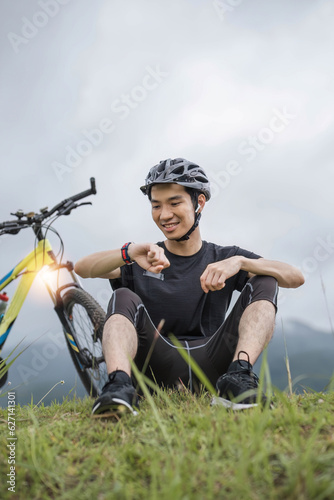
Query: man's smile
(170, 226)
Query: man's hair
(194, 193)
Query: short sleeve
(125, 281)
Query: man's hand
(148, 256)
(216, 274)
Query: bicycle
(82, 318)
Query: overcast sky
(110, 88)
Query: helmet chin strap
(193, 227)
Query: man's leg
(242, 338)
(256, 328)
(130, 334)
(119, 343)
(248, 327)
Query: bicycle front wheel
(85, 317)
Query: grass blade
(194, 366)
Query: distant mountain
(310, 353)
(41, 366)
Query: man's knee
(267, 282)
(126, 294)
(123, 301)
(263, 288)
(121, 297)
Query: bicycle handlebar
(63, 208)
(70, 201)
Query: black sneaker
(118, 395)
(238, 387)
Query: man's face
(172, 209)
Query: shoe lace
(246, 375)
(111, 380)
(239, 360)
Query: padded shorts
(213, 354)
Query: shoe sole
(230, 405)
(117, 406)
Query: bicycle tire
(86, 319)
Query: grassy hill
(178, 447)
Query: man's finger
(156, 269)
(203, 280)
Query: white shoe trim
(96, 407)
(124, 403)
(229, 404)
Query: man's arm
(108, 264)
(287, 276)
(216, 274)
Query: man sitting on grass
(189, 283)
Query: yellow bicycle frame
(28, 268)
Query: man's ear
(200, 203)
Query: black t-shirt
(176, 296)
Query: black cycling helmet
(183, 172)
(178, 171)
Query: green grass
(186, 449)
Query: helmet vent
(178, 171)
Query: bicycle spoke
(83, 327)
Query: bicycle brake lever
(85, 203)
(68, 210)
(10, 231)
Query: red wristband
(125, 254)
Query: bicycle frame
(27, 269)
(64, 294)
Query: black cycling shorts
(213, 354)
